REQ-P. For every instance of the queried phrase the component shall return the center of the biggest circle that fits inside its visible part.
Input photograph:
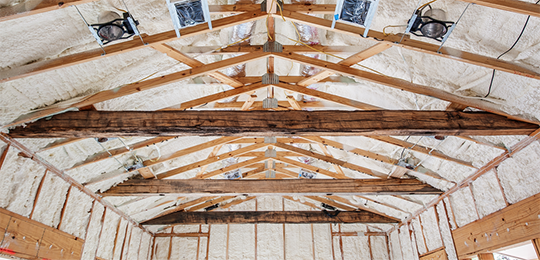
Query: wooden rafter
(127, 46)
(416, 45)
(253, 217)
(299, 186)
(327, 96)
(520, 7)
(262, 123)
(397, 83)
(210, 160)
(138, 87)
(332, 160)
(356, 58)
(177, 55)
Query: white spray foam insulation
(20, 180)
(146, 245)
(446, 234)
(161, 248)
(203, 244)
(395, 246)
(134, 243)
(51, 201)
(299, 243)
(519, 174)
(431, 229)
(127, 240)
(450, 213)
(406, 245)
(76, 213)
(119, 243)
(487, 194)
(419, 237)
(218, 242)
(338, 248)
(242, 241)
(184, 248)
(270, 236)
(354, 246)
(322, 241)
(413, 242)
(111, 224)
(186, 229)
(92, 234)
(463, 206)
(378, 248)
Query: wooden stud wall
(29, 239)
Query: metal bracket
(270, 139)
(270, 153)
(270, 103)
(272, 47)
(266, 166)
(270, 78)
(270, 174)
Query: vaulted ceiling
(60, 93)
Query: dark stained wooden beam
(253, 217)
(264, 123)
(260, 187)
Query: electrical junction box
(189, 13)
(357, 12)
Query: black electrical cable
(513, 45)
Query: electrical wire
(426, 4)
(513, 45)
(391, 26)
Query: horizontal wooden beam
(267, 187)
(263, 123)
(398, 84)
(411, 44)
(254, 217)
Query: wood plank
(333, 160)
(514, 224)
(210, 203)
(177, 55)
(138, 187)
(411, 44)
(119, 151)
(486, 256)
(4, 154)
(31, 8)
(219, 96)
(354, 234)
(207, 161)
(55, 245)
(4, 222)
(327, 96)
(22, 238)
(255, 217)
(258, 104)
(398, 83)
(242, 49)
(263, 123)
(536, 244)
(230, 168)
(311, 168)
(420, 149)
(137, 87)
(437, 254)
(520, 7)
(132, 45)
(356, 58)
